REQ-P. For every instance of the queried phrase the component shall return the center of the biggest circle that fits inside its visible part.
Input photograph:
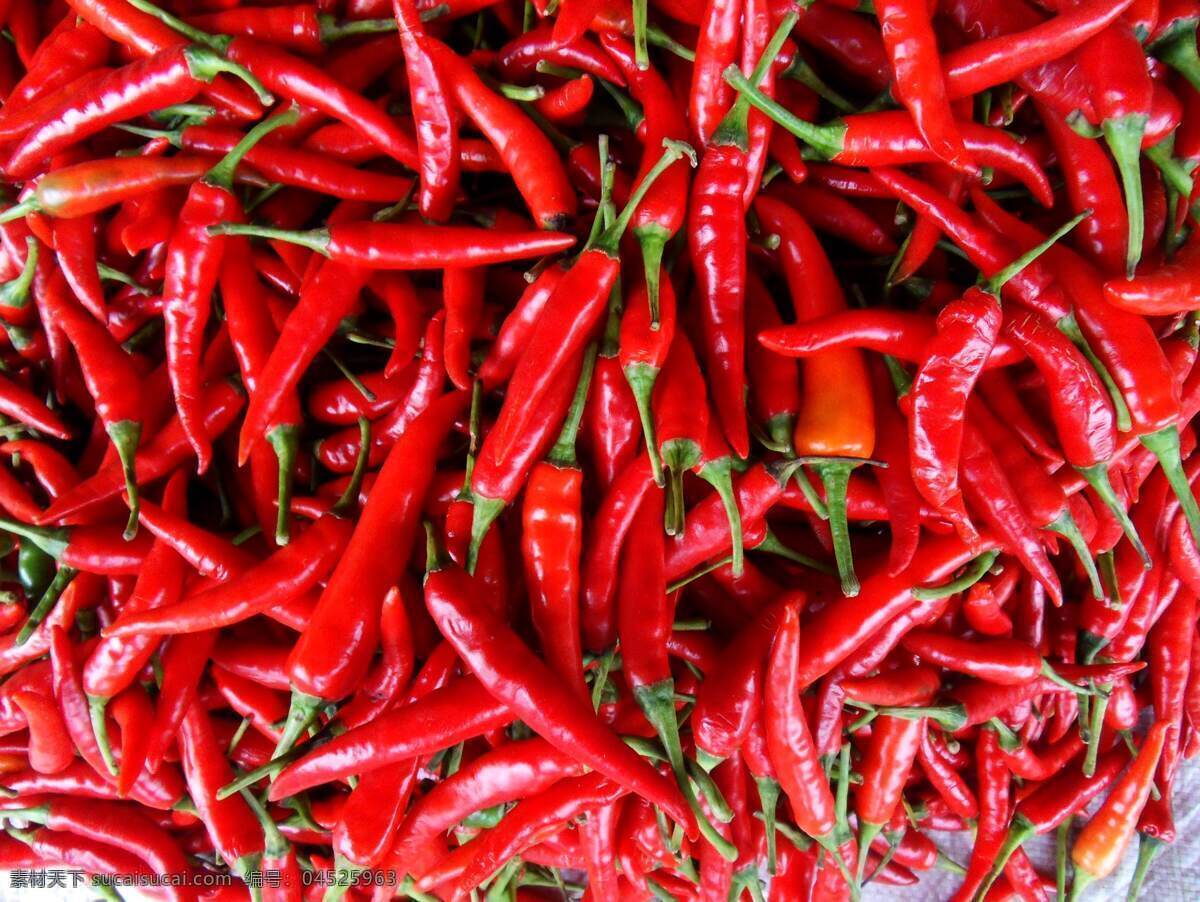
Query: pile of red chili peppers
(582, 449)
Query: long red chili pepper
(333, 653)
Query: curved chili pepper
(788, 740)
(115, 663)
(887, 763)
(50, 747)
(333, 653)
(112, 378)
(171, 76)
(911, 45)
(729, 698)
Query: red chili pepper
(886, 766)
(333, 653)
(551, 544)
(111, 377)
(50, 747)
(788, 740)
(169, 77)
(727, 704)
(601, 555)
(525, 683)
(908, 36)
(114, 664)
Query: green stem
(563, 452)
(46, 603)
(285, 440)
(657, 701)
(673, 151)
(1097, 477)
(719, 474)
(997, 281)
(333, 30)
(314, 239)
(973, 574)
(349, 497)
(1148, 849)
(835, 476)
(15, 293)
(125, 436)
(1066, 527)
(1061, 835)
(641, 378)
(303, 711)
(768, 794)
(1165, 446)
(1124, 137)
(827, 140)
(96, 712)
(222, 173)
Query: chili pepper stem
(948, 717)
(998, 281)
(50, 540)
(222, 173)
(1061, 835)
(810, 494)
(641, 52)
(641, 379)
(657, 701)
(1099, 707)
(1149, 848)
(719, 474)
(1081, 880)
(21, 210)
(301, 714)
(349, 497)
(125, 436)
(768, 796)
(46, 603)
(1066, 527)
(1020, 831)
(1178, 50)
(1097, 477)
(867, 831)
(1164, 444)
(678, 456)
(96, 710)
(1123, 134)
(673, 151)
(285, 440)
(15, 293)
(332, 30)
(653, 239)
(1053, 676)
(314, 239)
(562, 453)
(826, 140)
(835, 476)
(486, 510)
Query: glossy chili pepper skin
(508, 668)
(333, 653)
